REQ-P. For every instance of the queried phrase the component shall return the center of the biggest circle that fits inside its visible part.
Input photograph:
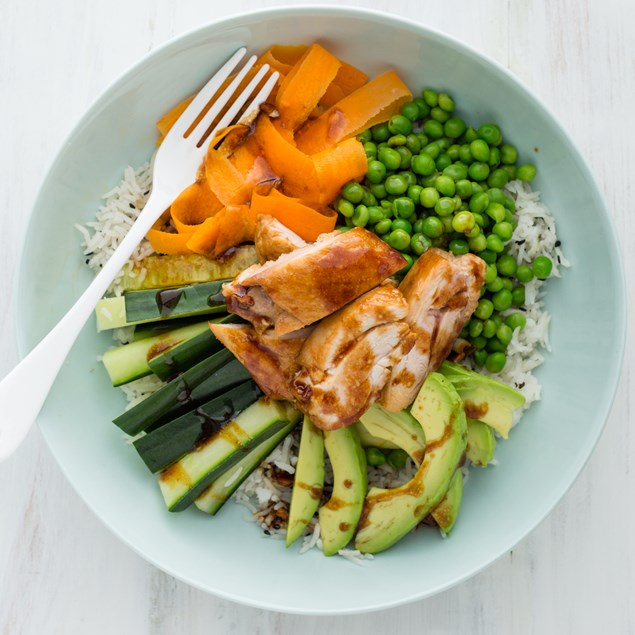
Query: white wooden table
(61, 571)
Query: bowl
(225, 555)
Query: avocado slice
(447, 511)
(481, 443)
(484, 398)
(393, 430)
(308, 482)
(340, 515)
(389, 514)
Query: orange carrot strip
(233, 225)
(299, 218)
(304, 85)
(347, 80)
(193, 205)
(373, 103)
(226, 182)
(203, 239)
(336, 166)
(166, 243)
(295, 168)
(282, 58)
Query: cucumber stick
(185, 480)
(218, 493)
(150, 305)
(132, 361)
(168, 443)
(176, 397)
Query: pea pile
(434, 181)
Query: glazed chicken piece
(442, 291)
(311, 282)
(272, 238)
(271, 361)
(347, 359)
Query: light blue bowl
(225, 555)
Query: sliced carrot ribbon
(193, 205)
(167, 243)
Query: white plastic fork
(175, 166)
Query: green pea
(397, 140)
(410, 111)
(495, 285)
(510, 204)
(495, 362)
(422, 164)
(489, 256)
(456, 171)
(463, 222)
(453, 151)
(414, 192)
(475, 327)
(432, 227)
(511, 172)
(491, 273)
(443, 161)
(424, 109)
(365, 135)
(470, 135)
(459, 246)
(433, 129)
(397, 459)
(361, 216)
(406, 157)
(431, 97)
(398, 124)
(479, 343)
(383, 227)
(417, 226)
(542, 267)
(516, 320)
(503, 230)
(481, 221)
(403, 207)
(432, 150)
(444, 206)
(479, 202)
(345, 208)
(409, 262)
(506, 265)
(374, 456)
(446, 102)
(465, 154)
(479, 150)
(445, 185)
(518, 296)
(484, 309)
(504, 334)
(494, 345)
(396, 184)
(428, 181)
(389, 157)
(380, 132)
(524, 273)
(464, 188)
(353, 192)
(370, 149)
(478, 244)
(413, 144)
(508, 284)
(403, 224)
(490, 133)
(479, 357)
(378, 190)
(489, 328)
(502, 300)
(423, 140)
(454, 127)
(496, 212)
(494, 157)
(509, 154)
(410, 177)
(429, 197)
(526, 172)
(376, 172)
(398, 239)
(495, 244)
(498, 178)
(478, 171)
(443, 143)
(477, 188)
(375, 214)
(438, 114)
(420, 243)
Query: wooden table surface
(61, 571)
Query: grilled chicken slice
(311, 282)
(347, 359)
(270, 360)
(442, 291)
(273, 239)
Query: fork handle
(24, 390)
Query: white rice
(262, 493)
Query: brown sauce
(167, 300)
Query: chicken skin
(272, 238)
(310, 283)
(442, 291)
